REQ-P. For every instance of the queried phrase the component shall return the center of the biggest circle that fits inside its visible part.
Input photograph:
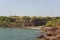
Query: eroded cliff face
(52, 33)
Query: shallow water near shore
(18, 34)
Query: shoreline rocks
(52, 33)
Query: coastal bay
(18, 34)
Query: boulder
(52, 33)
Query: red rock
(53, 33)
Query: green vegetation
(54, 22)
(26, 21)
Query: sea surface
(18, 34)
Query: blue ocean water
(18, 34)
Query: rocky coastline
(52, 33)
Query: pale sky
(30, 7)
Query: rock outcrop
(52, 33)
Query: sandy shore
(38, 27)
